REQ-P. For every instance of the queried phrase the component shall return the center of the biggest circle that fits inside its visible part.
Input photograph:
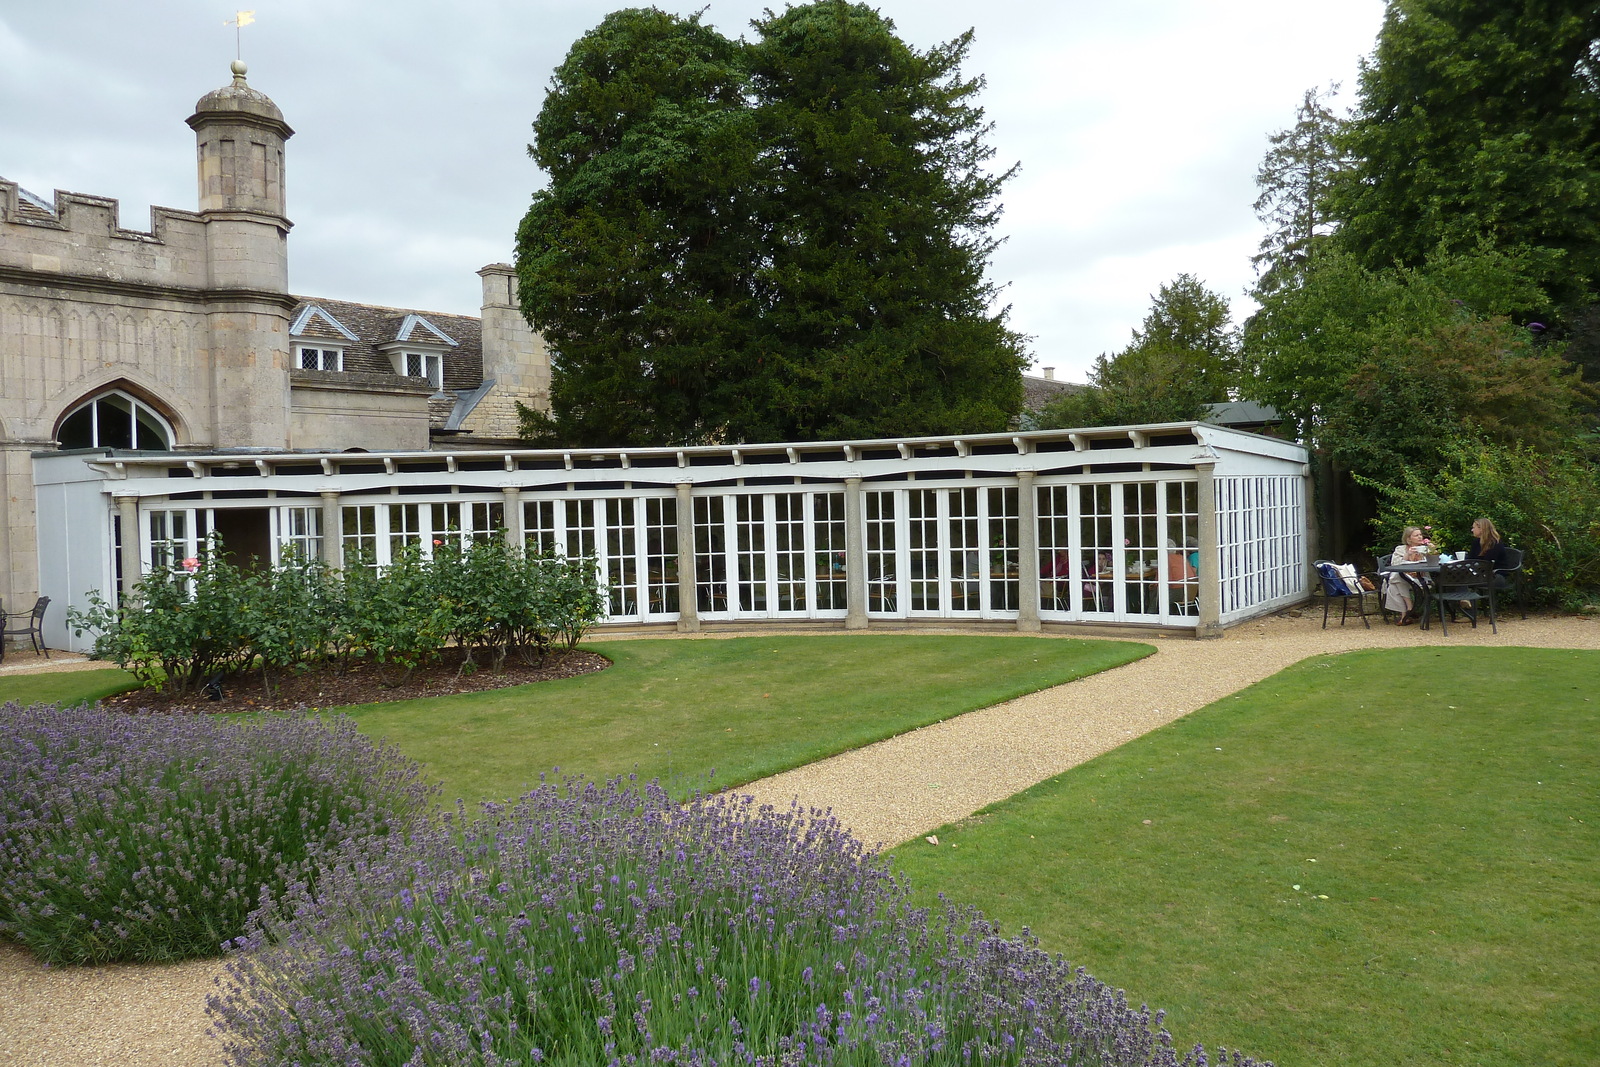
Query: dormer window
(309, 358)
(426, 365)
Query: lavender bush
(591, 925)
(142, 837)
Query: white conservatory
(1185, 526)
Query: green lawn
(1381, 858)
(744, 707)
(65, 687)
(678, 709)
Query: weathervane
(240, 20)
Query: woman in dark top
(1486, 544)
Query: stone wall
(329, 410)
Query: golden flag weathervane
(240, 20)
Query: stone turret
(240, 135)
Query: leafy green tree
(635, 262)
(1184, 356)
(1382, 370)
(1294, 179)
(779, 240)
(1479, 123)
(1547, 505)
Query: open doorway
(246, 533)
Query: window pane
(78, 430)
(152, 436)
(115, 416)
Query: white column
(855, 559)
(688, 606)
(1027, 553)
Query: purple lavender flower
(513, 963)
(144, 837)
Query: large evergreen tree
(634, 263)
(1479, 126)
(1294, 178)
(784, 240)
(878, 215)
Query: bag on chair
(1348, 578)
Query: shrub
(1549, 506)
(186, 624)
(571, 596)
(291, 619)
(593, 925)
(142, 837)
(397, 620)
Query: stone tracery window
(115, 420)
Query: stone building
(185, 338)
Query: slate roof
(374, 326)
(32, 206)
(1037, 392)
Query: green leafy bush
(188, 622)
(1548, 506)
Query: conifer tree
(780, 240)
(1294, 178)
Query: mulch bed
(361, 684)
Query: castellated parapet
(82, 236)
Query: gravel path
(142, 1016)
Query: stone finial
(239, 69)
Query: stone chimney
(514, 358)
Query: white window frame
(1128, 595)
(325, 358)
(432, 365)
(137, 409)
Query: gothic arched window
(115, 420)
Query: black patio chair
(1383, 608)
(1344, 589)
(28, 624)
(1466, 583)
(1511, 576)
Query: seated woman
(1486, 544)
(1399, 590)
(1097, 594)
(1179, 569)
(1181, 575)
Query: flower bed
(607, 925)
(191, 625)
(143, 837)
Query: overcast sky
(1139, 125)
